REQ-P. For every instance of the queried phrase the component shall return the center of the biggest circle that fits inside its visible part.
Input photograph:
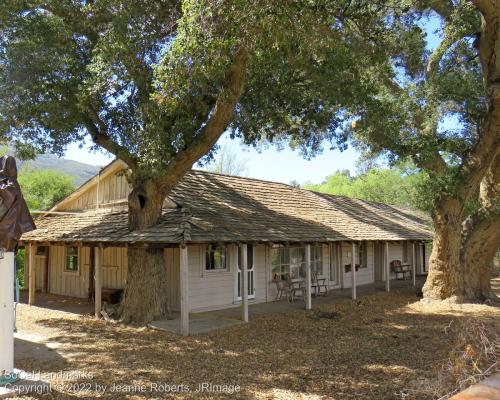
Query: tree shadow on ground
(373, 348)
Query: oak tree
(410, 118)
(156, 82)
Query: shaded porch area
(219, 319)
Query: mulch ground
(382, 346)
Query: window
(215, 258)
(292, 260)
(334, 262)
(317, 259)
(362, 255)
(72, 259)
(249, 257)
(41, 250)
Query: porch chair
(281, 288)
(401, 270)
(318, 285)
(294, 288)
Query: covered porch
(214, 320)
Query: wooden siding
(172, 264)
(40, 271)
(64, 283)
(363, 275)
(114, 267)
(210, 289)
(111, 189)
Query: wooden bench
(401, 270)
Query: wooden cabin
(209, 216)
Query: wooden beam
(244, 282)
(184, 289)
(353, 272)
(91, 273)
(413, 266)
(341, 267)
(47, 270)
(98, 281)
(32, 276)
(387, 269)
(308, 277)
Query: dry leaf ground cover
(381, 346)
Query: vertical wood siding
(111, 188)
(39, 271)
(114, 267)
(73, 284)
(172, 264)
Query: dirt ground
(381, 346)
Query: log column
(184, 289)
(387, 269)
(98, 281)
(244, 283)
(353, 272)
(414, 267)
(308, 277)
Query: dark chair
(318, 285)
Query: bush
(20, 267)
(475, 355)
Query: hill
(80, 171)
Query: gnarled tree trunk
(461, 254)
(145, 297)
(481, 238)
(444, 279)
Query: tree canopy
(402, 185)
(44, 188)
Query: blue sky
(269, 163)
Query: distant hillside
(82, 172)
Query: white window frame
(237, 271)
(289, 264)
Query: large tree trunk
(145, 297)
(481, 237)
(451, 274)
(444, 279)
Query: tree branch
(97, 130)
(214, 127)
(449, 39)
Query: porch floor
(213, 320)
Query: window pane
(72, 258)
(285, 255)
(250, 257)
(215, 257)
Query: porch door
(378, 260)
(250, 272)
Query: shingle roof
(224, 208)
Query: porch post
(98, 252)
(414, 267)
(32, 272)
(244, 282)
(308, 277)
(353, 271)
(387, 269)
(184, 289)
